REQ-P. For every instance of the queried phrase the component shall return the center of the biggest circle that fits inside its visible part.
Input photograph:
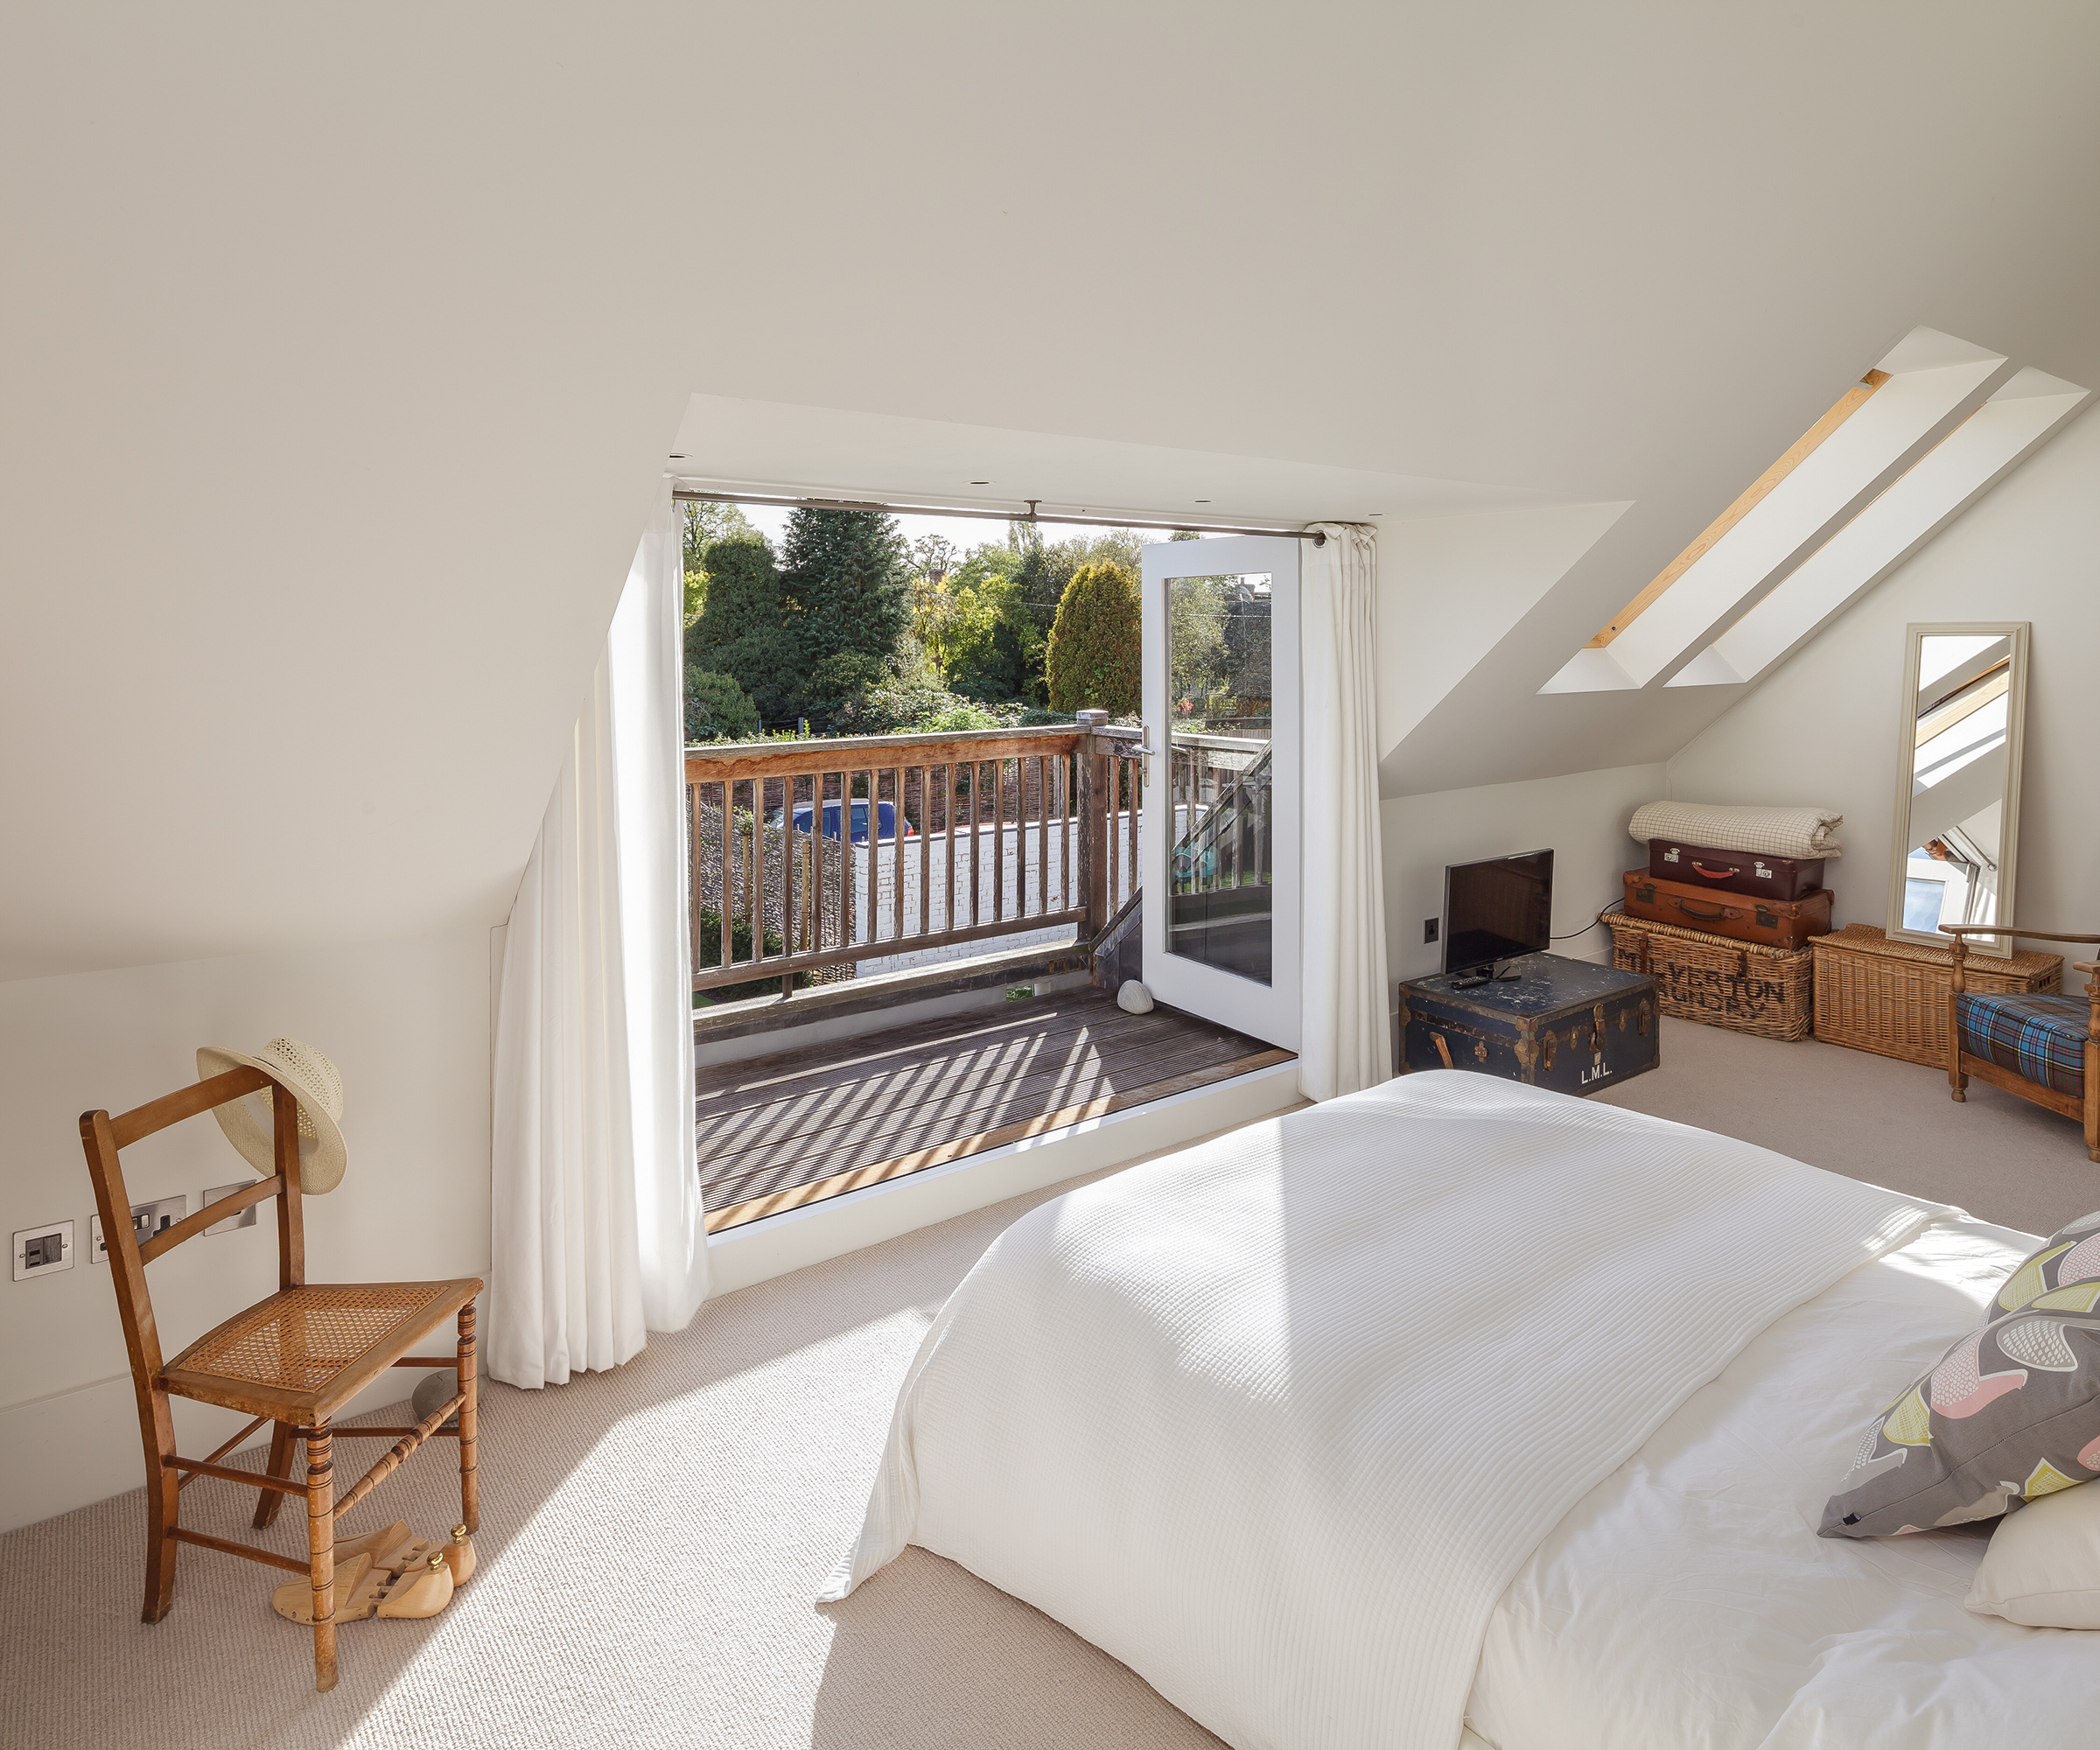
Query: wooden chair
(293, 1359)
(2034, 1046)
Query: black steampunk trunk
(1562, 1023)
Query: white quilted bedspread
(1275, 1420)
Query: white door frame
(1268, 1011)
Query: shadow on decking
(819, 1120)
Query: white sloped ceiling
(341, 352)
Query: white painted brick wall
(1023, 877)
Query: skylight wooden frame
(1803, 447)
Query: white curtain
(1345, 1041)
(596, 1236)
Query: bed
(1459, 1405)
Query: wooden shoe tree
(460, 1556)
(386, 1573)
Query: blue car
(885, 819)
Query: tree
(742, 631)
(934, 556)
(705, 524)
(846, 582)
(1093, 657)
(717, 709)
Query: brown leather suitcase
(1776, 923)
(1734, 872)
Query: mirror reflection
(1959, 754)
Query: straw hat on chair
(312, 1081)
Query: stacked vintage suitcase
(1724, 935)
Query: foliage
(894, 708)
(834, 684)
(705, 524)
(934, 556)
(717, 709)
(1195, 634)
(741, 631)
(1092, 661)
(845, 578)
(992, 646)
(963, 715)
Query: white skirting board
(74, 1448)
(795, 1237)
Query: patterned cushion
(2039, 1039)
(2010, 1412)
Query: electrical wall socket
(39, 1251)
(245, 1219)
(147, 1219)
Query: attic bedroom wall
(407, 1022)
(1448, 589)
(1822, 728)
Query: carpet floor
(652, 1538)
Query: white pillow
(2043, 1564)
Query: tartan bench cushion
(2039, 1039)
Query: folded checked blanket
(1775, 831)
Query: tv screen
(1497, 910)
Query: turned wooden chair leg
(1958, 1083)
(470, 1488)
(162, 1509)
(281, 1437)
(321, 1542)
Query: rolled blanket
(1774, 831)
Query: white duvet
(1276, 1420)
(1686, 1600)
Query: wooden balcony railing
(811, 856)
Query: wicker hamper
(1741, 985)
(1890, 997)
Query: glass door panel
(1222, 802)
(1222, 771)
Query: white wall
(408, 1025)
(1582, 817)
(1822, 727)
(1451, 587)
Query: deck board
(792, 1127)
(963, 1074)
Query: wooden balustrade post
(1096, 795)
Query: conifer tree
(1093, 658)
(846, 578)
(741, 631)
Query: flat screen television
(1497, 910)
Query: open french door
(1221, 793)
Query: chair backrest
(102, 1136)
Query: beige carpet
(1888, 1123)
(653, 1538)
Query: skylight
(1679, 628)
(1937, 488)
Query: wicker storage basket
(1890, 997)
(1741, 985)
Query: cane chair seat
(301, 1353)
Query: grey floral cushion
(2012, 1411)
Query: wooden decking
(779, 1131)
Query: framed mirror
(1957, 781)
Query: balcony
(842, 889)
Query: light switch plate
(42, 1251)
(245, 1219)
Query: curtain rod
(690, 497)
